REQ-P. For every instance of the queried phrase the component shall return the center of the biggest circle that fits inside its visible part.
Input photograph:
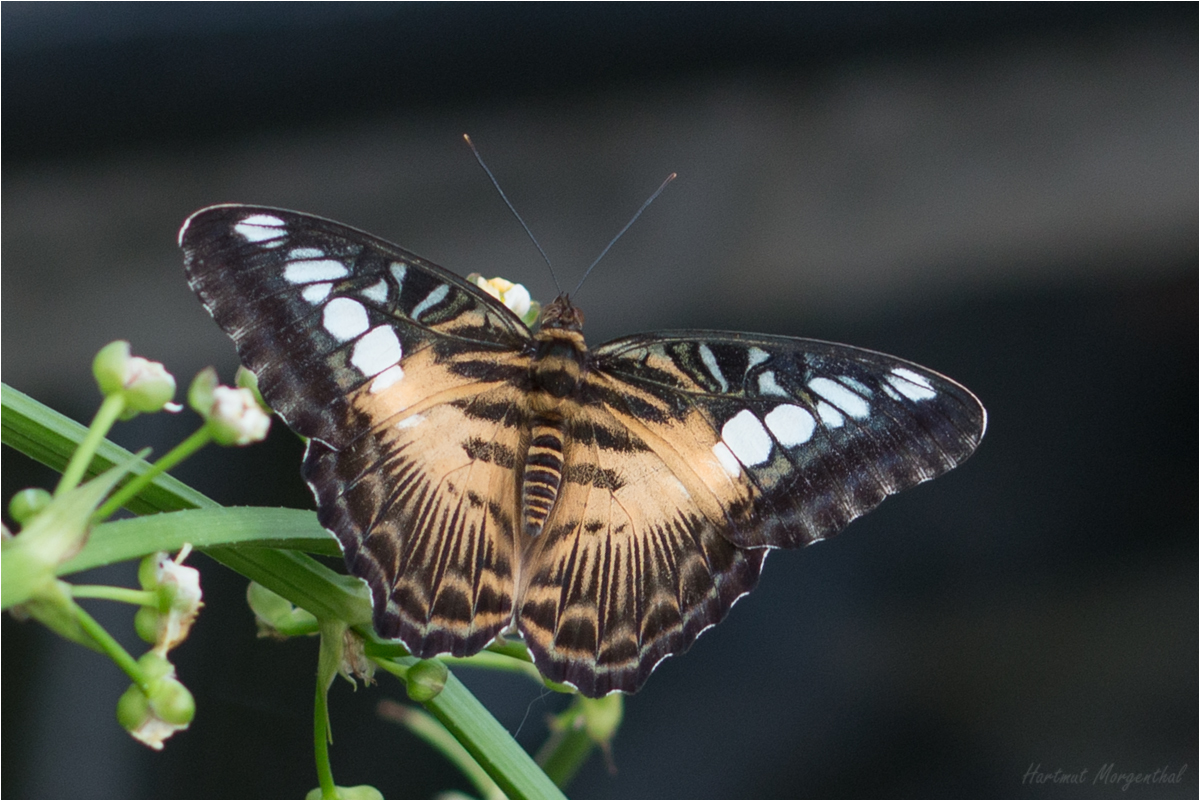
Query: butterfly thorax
(560, 360)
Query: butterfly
(608, 503)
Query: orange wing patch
(430, 491)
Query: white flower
(514, 296)
(186, 599)
(236, 418)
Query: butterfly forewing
(794, 438)
(661, 467)
(379, 356)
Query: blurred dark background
(1005, 193)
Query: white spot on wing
(306, 272)
(728, 461)
(757, 356)
(295, 254)
(747, 438)
(411, 421)
(388, 377)
(315, 293)
(260, 228)
(376, 351)
(345, 319)
(377, 292)
(432, 299)
(399, 270)
(714, 369)
(830, 416)
(839, 396)
(791, 425)
(768, 386)
(913, 386)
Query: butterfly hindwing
(408, 381)
(630, 568)
(424, 507)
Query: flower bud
(236, 418)
(133, 708)
(147, 385)
(171, 702)
(25, 505)
(275, 615)
(200, 393)
(155, 665)
(163, 709)
(146, 622)
(110, 366)
(426, 679)
(246, 379)
(602, 717)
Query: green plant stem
(102, 423)
(193, 443)
(321, 744)
(494, 661)
(399, 671)
(333, 632)
(121, 594)
(112, 648)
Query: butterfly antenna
(621, 233)
(513, 209)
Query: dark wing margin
(384, 360)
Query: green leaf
(122, 540)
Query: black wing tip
(187, 224)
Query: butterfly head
(561, 315)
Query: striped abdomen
(543, 474)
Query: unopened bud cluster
(159, 709)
